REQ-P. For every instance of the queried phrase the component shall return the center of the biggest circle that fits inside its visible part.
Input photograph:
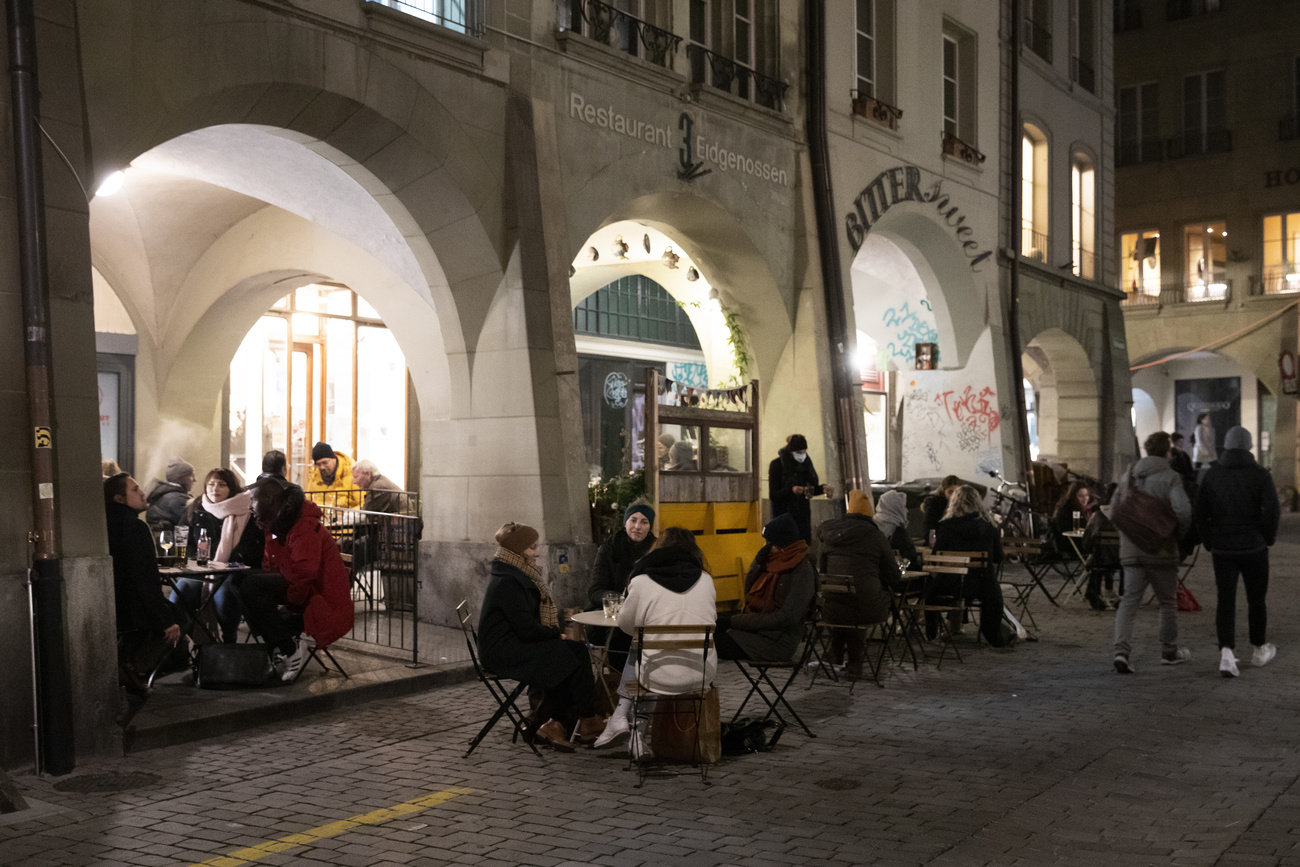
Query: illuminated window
(1282, 253)
(1033, 193)
(1140, 262)
(1205, 246)
(1083, 216)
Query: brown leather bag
(674, 735)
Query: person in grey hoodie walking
(1153, 476)
(1237, 515)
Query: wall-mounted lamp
(111, 184)
(692, 275)
(620, 248)
(670, 258)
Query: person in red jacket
(303, 571)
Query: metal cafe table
(211, 574)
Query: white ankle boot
(618, 725)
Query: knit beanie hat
(1237, 438)
(516, 537)
(321, 450)
(860, 503)
(798, 443)
(781, 531)
(177, 470)
(639, 505)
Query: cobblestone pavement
(1033, 756)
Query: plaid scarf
(549, 614)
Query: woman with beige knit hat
(520, 639)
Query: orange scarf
(761, 597)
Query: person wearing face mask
(224, 512)
(791, 482)
(614, 561)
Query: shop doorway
(320, 366)
(1062, 389)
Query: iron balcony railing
(1082, 74)
(1134, 153)
(964, 151)
(1141, 299)
(1197, 142)
(1033, 245)
(1037, 38)
(1279, 279)
(1084, 263)
(877, 110)
(709, 67)
(1176, 10)
(462, 16)
(607, 25)
(1214, 291)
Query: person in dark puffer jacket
(966, 527)
(1237, 514)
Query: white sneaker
(1263, 654)
(1228, 663)
(293, 664)
(616, 729)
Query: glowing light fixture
(692, 275)
(714, 295)
(111, 184)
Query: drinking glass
(165, 542)
(611, 602)
(903, 564)
(1077, 520)
(182, 535)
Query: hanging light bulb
(670, 258)
(620, 247)
(714, 295)
(692, 275)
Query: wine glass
(903, 563)
(165, 542)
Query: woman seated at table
(1078, 498)
(223, 511)
(853, 546)
(670, 587)
(778, 591)
(891, 517)
(614, 561)
(519, 638)
(966, 527)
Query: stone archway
(1069, 428)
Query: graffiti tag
(972, 409)
(912, 329)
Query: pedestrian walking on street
(1237, 514)
(1152, 475)
(1204, 452)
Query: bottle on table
(203, 548)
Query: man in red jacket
(303, 572)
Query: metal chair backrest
(699, 637)
(1021, 548)
(465, 618)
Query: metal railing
(1134, 153)
(1210, 291)
(1196, 142)
(715, 70)
(1176, 10)
(603, 23)
(877, 110)
(1140, 299)
(1082, 73)
(1281, 279)
(955, 147)
(463, 16)
(1037, 38)
(382, 550)
(1033, 245)
(1084, 263)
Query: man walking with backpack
(1237, 515)
(1150, 524)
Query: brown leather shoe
(589, 728)
(552, 732)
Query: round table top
(1073, 534)
(594, 618)
(192, 569)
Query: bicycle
(1010, 511)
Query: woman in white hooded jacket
(669, 586)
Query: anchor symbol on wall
(689, 171)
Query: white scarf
(233, 512)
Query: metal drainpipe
(847, 402)
(54, 689)
(1013, 323)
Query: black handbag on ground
(232, 666)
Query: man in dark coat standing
(791, 482)
(147, 623)
(1237, 514)
(854, 546)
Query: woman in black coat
(613, 571)
(965, 527)
(520, 639)
(791, 482)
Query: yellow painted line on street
(333, 829)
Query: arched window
(1033, 194)
(1083, 216)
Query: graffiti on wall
(905, 328)
(949, 427)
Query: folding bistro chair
(759, 675)
(505, 698)
(843, 589)
(675, 638)
(953, 565)
(1025, 553)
